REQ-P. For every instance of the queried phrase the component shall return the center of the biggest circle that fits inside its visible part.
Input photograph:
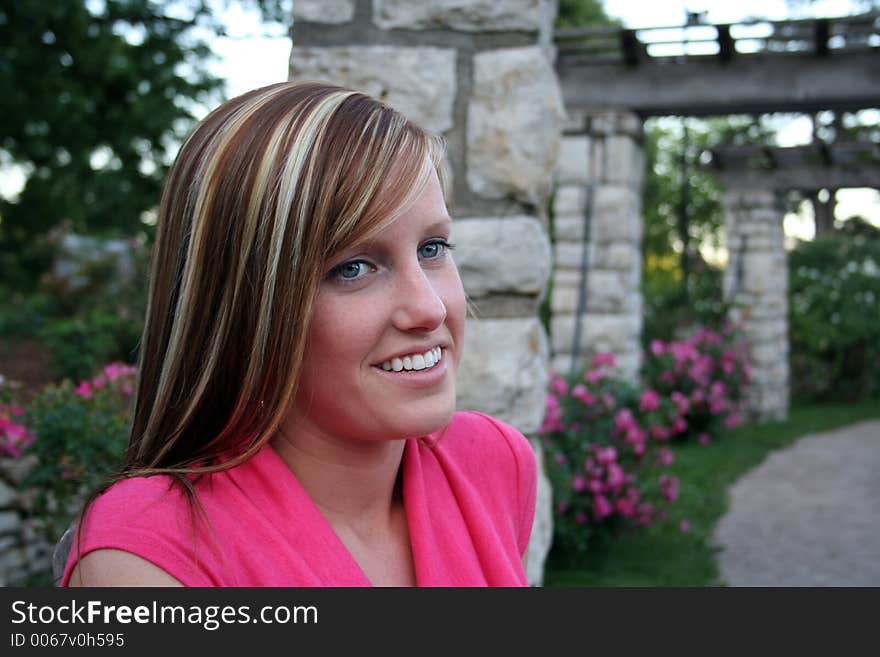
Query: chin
(422, 421)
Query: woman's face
(386, 335)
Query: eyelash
(336, 273)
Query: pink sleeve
(148, 518)
(526, 479)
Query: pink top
(469, 500)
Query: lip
(416, 378)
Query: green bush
(834, 306)
(79, 437)
(79, 344)
(670, 311)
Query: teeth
(414, 361)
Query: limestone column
(756, 281)
(479, 73)
(596, 300)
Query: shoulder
(499, 462)
(140, 531)
(480, 438)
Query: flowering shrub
(705, 376)
(604, 454)
(79, 435)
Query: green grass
(662, 555)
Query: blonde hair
(267, 187)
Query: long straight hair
(266, 189)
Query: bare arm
(118, 568)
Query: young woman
(295, 421)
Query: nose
(418, 305)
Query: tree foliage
(96, 95)
(582, 13)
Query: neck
(354, 483)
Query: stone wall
(480, 73)
(756, 281)
(597, 242)
(25, 557)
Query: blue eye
(351, 270)
(434, 249)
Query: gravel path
(808, 516)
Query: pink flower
(635, 436)
(639, 450)
(115, 371)
(684, 526)
(704, 439)
(606, 455)
(596, 487)
(681, 401)
(680, 425)
(562, 507)
(560, 458)
(732, 421)
(624, 419)
(616, 477)
(99, 382)
(659, 432)
(594, 376)
(669, 487)
(658, 348)
(625, 507)
(665, 457)
(603, 359)
(601, 507)
(580, 518)
(717, 389)
(84, 390)
(580, 392)
(558, 385)
(649, 402)
(578, 483)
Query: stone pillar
(479, 73)
(756, 281)
(597, 242)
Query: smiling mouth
(414, 362)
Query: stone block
(10, 522)
(503, 306)
(570, 200)
(502, 255)
(8, 496)
(542, 527)
(599, 333)
(624, 161)
(566, 277)
(623, 256)
(461, 15)
(420, 82)
(504, 371)
(616, 215)
(323, 11)
(568, 254)
(514, 123)
(564, 300)
(573, 167)
(569, 228)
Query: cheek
(456, 309)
